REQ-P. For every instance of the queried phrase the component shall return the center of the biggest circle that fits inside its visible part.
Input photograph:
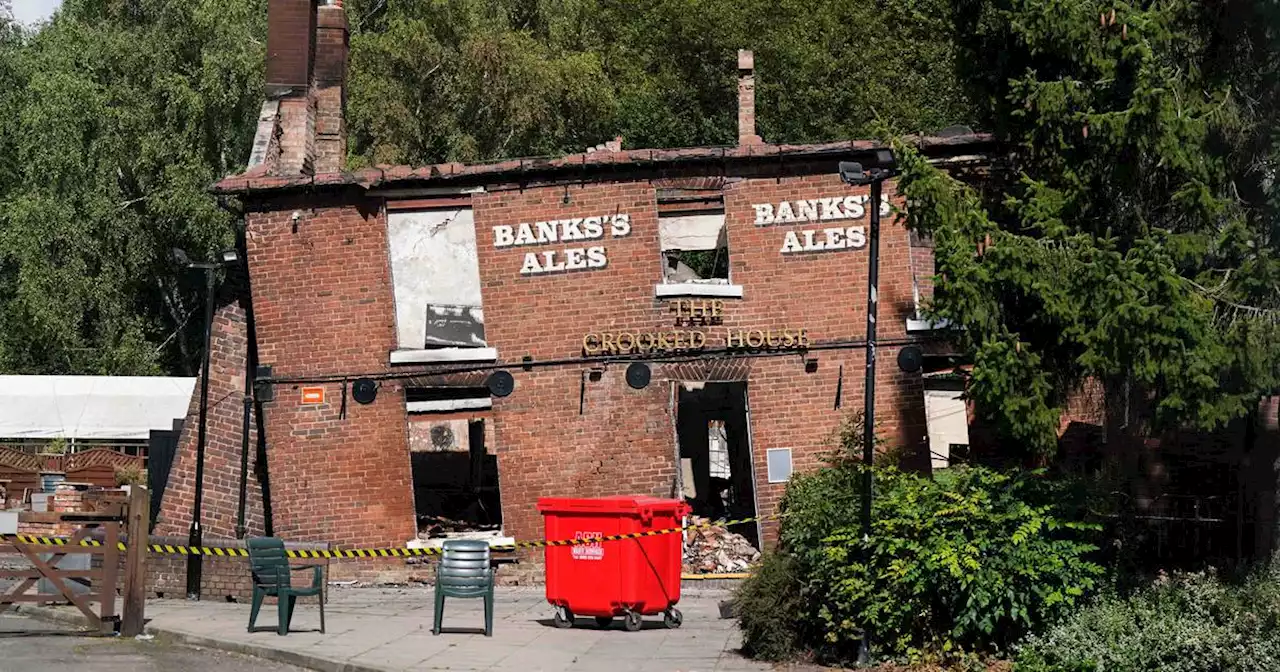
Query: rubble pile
(716, 550)
(431, 527)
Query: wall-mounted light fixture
(638, 375)
(501, 384)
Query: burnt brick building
(738, 275)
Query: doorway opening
(715, 453)
(455, 476)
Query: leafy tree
(457, 81)
(426, 88)
(1133, 235)
(124, 114)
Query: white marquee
(91, 407)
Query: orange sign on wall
(313, 395)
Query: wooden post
(135, 563)
(110, 573)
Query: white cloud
(30, 12)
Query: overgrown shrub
(130, 475)
(1190, 623)
(767, 606)
(969, 561)
(56, 446)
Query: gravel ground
(28, 645)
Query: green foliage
(848, 440)
(56, 446)
(117, 117)
(131, 474)
(766, 607)
(1129, 235)
(483, 79)
(1189, 623)
(969, 561)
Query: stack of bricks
(65, 499)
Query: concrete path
(27, 645)
(389, 630)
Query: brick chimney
(301, 128)
(747, 99)
(330, 87)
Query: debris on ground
(716, 550)
(434, 527)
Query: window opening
(695, 248)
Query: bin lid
(633, 504)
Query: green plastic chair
(273, 575)
(464, 571)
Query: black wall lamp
(364, 390)
(638, 375)
(501, 383)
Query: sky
(33, 11)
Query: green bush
(1190, 623)
(767, 605)
(969, 561)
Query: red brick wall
(223, 444)
(221, 579)
(624, 442)
(323, 305)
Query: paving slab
(389, 630)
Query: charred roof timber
(740, 161)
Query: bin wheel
(564, 617)
(604, 621)
(672, 618)
(632, 621)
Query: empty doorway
(715, 451)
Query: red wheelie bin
(606, 579)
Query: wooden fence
(96, 466)
(114, 522)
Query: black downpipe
(251, 403)
(250, 366)
(195, 536)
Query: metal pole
(869, 412)
(194, 562)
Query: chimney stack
(330, 87)
(747, 99)
(306, 78)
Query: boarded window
(948, 424)
(436, 275)
(695, 248)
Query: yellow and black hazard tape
(405, 552)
